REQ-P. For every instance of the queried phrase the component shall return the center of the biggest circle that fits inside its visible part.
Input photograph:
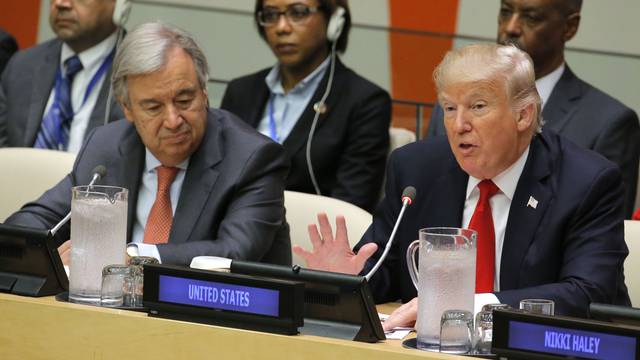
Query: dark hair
(574, 5)
(327, 7)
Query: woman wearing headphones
(333, 124)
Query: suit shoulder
(600, 102)
(236, 130)
(427, 151)
(361, 84)
(37, 52)
(574, 159)
(248, 80)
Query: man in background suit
(555, 210)
(351, 139)
(570, 106)
(218, 185)
(37, 80)
(8, 47)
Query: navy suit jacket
(570, 248)
(230, 205)
(351, 142)
(24, 91)
(591, 119)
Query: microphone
(99, 172)
(408, 195)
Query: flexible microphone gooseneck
(99, 172)
(408, 195)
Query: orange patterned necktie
(161, 216)
(482, 222)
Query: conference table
(44, 328)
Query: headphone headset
(336, 24)
(121, 12)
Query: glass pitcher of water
(446, 280)
(98, 238)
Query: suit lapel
(130, 166)
(562, 101)
(262, 96)
(300, 132)
(198, 183)
(524, 219)
(44, 78)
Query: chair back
(302, 210)
(632, 262)
(27, 173)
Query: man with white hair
(554, 225)
(200, 181)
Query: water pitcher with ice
(98, 238)
(446, 280)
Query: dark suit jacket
(351, 141)
(570, 248)
(8, 47)
(24, 90)
(591, 119)
(230, 205)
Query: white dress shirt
(506, 181)
(146, 198)
(91, 60)
(288, 108)
(545, 84)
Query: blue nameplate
(519, 334)
(222, 298)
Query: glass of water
(115, 284)
(456, 332)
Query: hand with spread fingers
(333, 253)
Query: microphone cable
(319, 108)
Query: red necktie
(482, 223)
(161, 216)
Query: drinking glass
(135, 282)
(114, 285)
(538, 306)
(456, 332)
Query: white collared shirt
(546, 83)
(289, 107)
(91, 60)
(146, 198)
(506, 181)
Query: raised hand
(333, 253)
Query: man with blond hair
(554, 228)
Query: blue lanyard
(273, 133)
(106, 63)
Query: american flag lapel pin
(533, 203)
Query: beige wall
(233, 47)
(605, 26)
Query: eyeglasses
(295, 14)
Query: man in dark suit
(8, 47)
(223, 182)
(350, 141)
(32, 87)
(555, 212)
(570, 106)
